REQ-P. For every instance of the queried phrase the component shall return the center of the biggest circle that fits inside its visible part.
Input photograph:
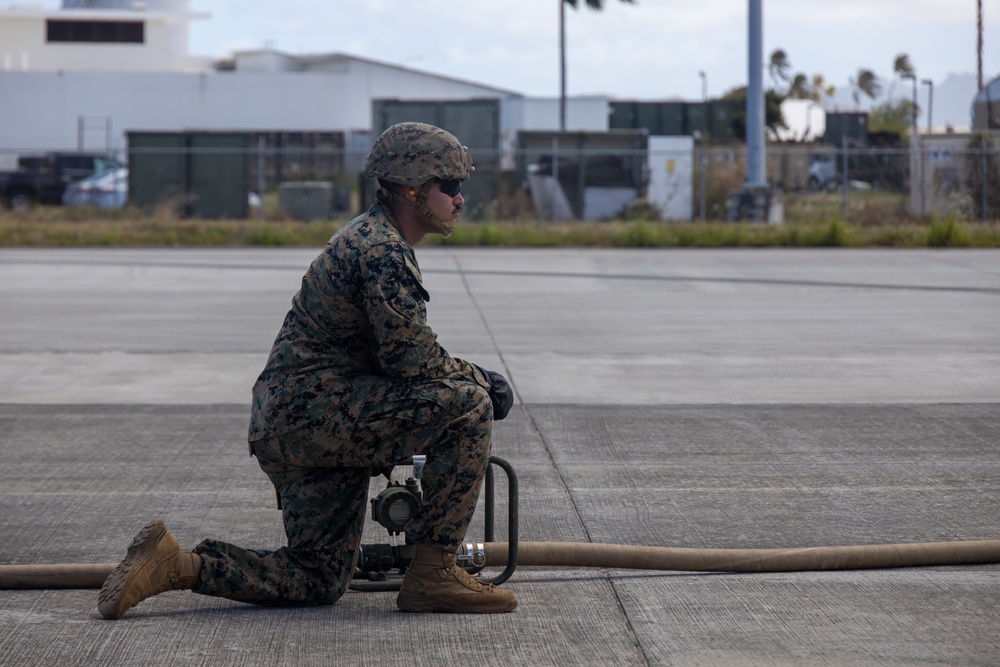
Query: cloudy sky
(653, 49)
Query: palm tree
(819, 89)
(778, 67)
(802, 88)
(865, 83)
(596, 5)
(902, 65)
(902, 68)
(798, 88)
(816, 90)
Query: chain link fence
(937, 175)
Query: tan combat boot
(434, 582)
(153, 564)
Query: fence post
(844, 178)
(261, 141)
(983, 174)
(923, 155)
(555, 177)
(703, 159)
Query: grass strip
(120, 230)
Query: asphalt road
(685, 398)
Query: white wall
(582, 113)
(41, 110)
(805, 120)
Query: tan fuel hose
(55, 576)
(616, 556)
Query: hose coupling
(471, 554)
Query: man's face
(446, 207)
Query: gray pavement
(689, 398)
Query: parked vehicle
(880, 164)
(823, 172)
(43, 179)
(105, 189)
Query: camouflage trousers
(322, 483)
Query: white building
(81, 76)
(99, 36)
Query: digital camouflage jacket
(358, 321)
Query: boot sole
(430, 605)
(140, 551)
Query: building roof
(138, 10)
(312, 62)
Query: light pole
(930, 101)
(562, 65)
(756, 179)
(704, 86)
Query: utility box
(671, 177)
(198, 174)
(310, 200)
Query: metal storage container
(201, 174)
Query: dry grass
(866, 209)
(58, 227)
(812, 220)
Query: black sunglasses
(450, 187)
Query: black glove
(501, 394)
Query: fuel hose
(619, 556)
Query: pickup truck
(42, 179)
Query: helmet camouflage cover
(414, 153)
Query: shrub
(947, 233)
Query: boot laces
(467, 579)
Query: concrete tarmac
(683, 398)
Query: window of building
(105, 32)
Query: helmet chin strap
(385, 195)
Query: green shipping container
(714, 120)
(199, 174)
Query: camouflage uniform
(356, 382)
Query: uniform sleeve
(394, 299)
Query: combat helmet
(416, 154)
